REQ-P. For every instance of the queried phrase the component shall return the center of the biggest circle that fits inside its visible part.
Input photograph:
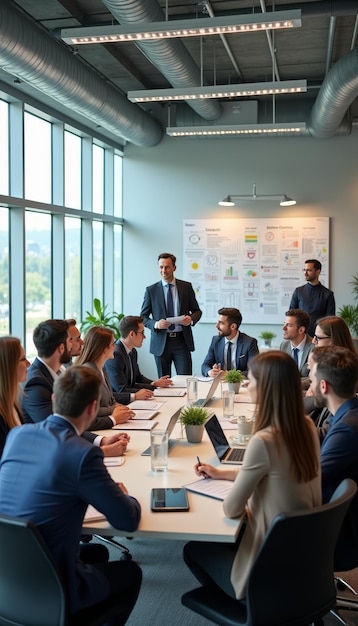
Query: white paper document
(175, 320)
(112, 461)
(211, 487)
(144, 405)
(168, 392)
(144, 415)
(92, 515)
(136, 425)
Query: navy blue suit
(153, 310)
(246, 349)
(124, 375)
(339, 460)
(48, 474)
(36, 402)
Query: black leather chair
(291, 582)
(32, 593)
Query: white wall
(185, 178)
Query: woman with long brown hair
(13, 368)
(280, 472)
(98, 347)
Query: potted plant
(193, 418)
(349, 312)
(267, 336)
(100, 317)
(234, 378)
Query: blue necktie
(170, 305)
(295, 355)
(228, 356)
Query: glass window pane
(38, 273)
(72, 267)
(98, 260)
(118, 177)
(118, 269)
(4, 271)
(72, 170)
(98, 179)
(4, 147)
(38, 166)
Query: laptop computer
(225, 453)
(211, 391)
(171, 442)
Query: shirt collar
(52, 372)
(234, 339)
(300, 345)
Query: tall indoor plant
(349, 312)
(100, 317)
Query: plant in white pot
(193, 418)
(234, 378)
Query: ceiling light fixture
(219, 91)
(249, 130)
(230, 199)
(140, 31)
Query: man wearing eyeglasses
(128, 383)
(317, 300)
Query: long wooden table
(205, 521)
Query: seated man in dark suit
(296, 341)
(53, 342)
(49, 474)
(128, 382)
(231, 349)
(334, 377)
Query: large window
(54, 258)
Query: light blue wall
(185, 178)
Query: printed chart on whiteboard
(252, 264)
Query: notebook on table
(171, 442)
(225, 453)
(211, 391)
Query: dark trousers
(124, 577)
(175, 351)
(211, 563)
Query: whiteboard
(252, 264)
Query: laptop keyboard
(236, 454)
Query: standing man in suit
(231, 349)
(49, 474)
(170, 297)
(334, 377)
(128, 382)
(53, 343)
(313, 297)
(296, 341)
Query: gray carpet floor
(166, 578)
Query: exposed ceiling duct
(29, 53)
(169, 56)
(339, 89)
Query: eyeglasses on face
(139, 332)
(317, 338)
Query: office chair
(32, 592)
(345, 559)
(291, 582)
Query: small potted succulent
(267, 336)
(234, 378)
(193, 418)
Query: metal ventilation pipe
(170, 57)
(32, 55)
(338, 90)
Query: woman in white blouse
(280, 473)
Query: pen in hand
(202, 473)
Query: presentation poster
(252, 264)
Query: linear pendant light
(219, 91)
(230, 199)
(140, 31)
(293, 128)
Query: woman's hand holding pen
(206, 471)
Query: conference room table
(205, 520)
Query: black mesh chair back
(31, 589)
(291, 582)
